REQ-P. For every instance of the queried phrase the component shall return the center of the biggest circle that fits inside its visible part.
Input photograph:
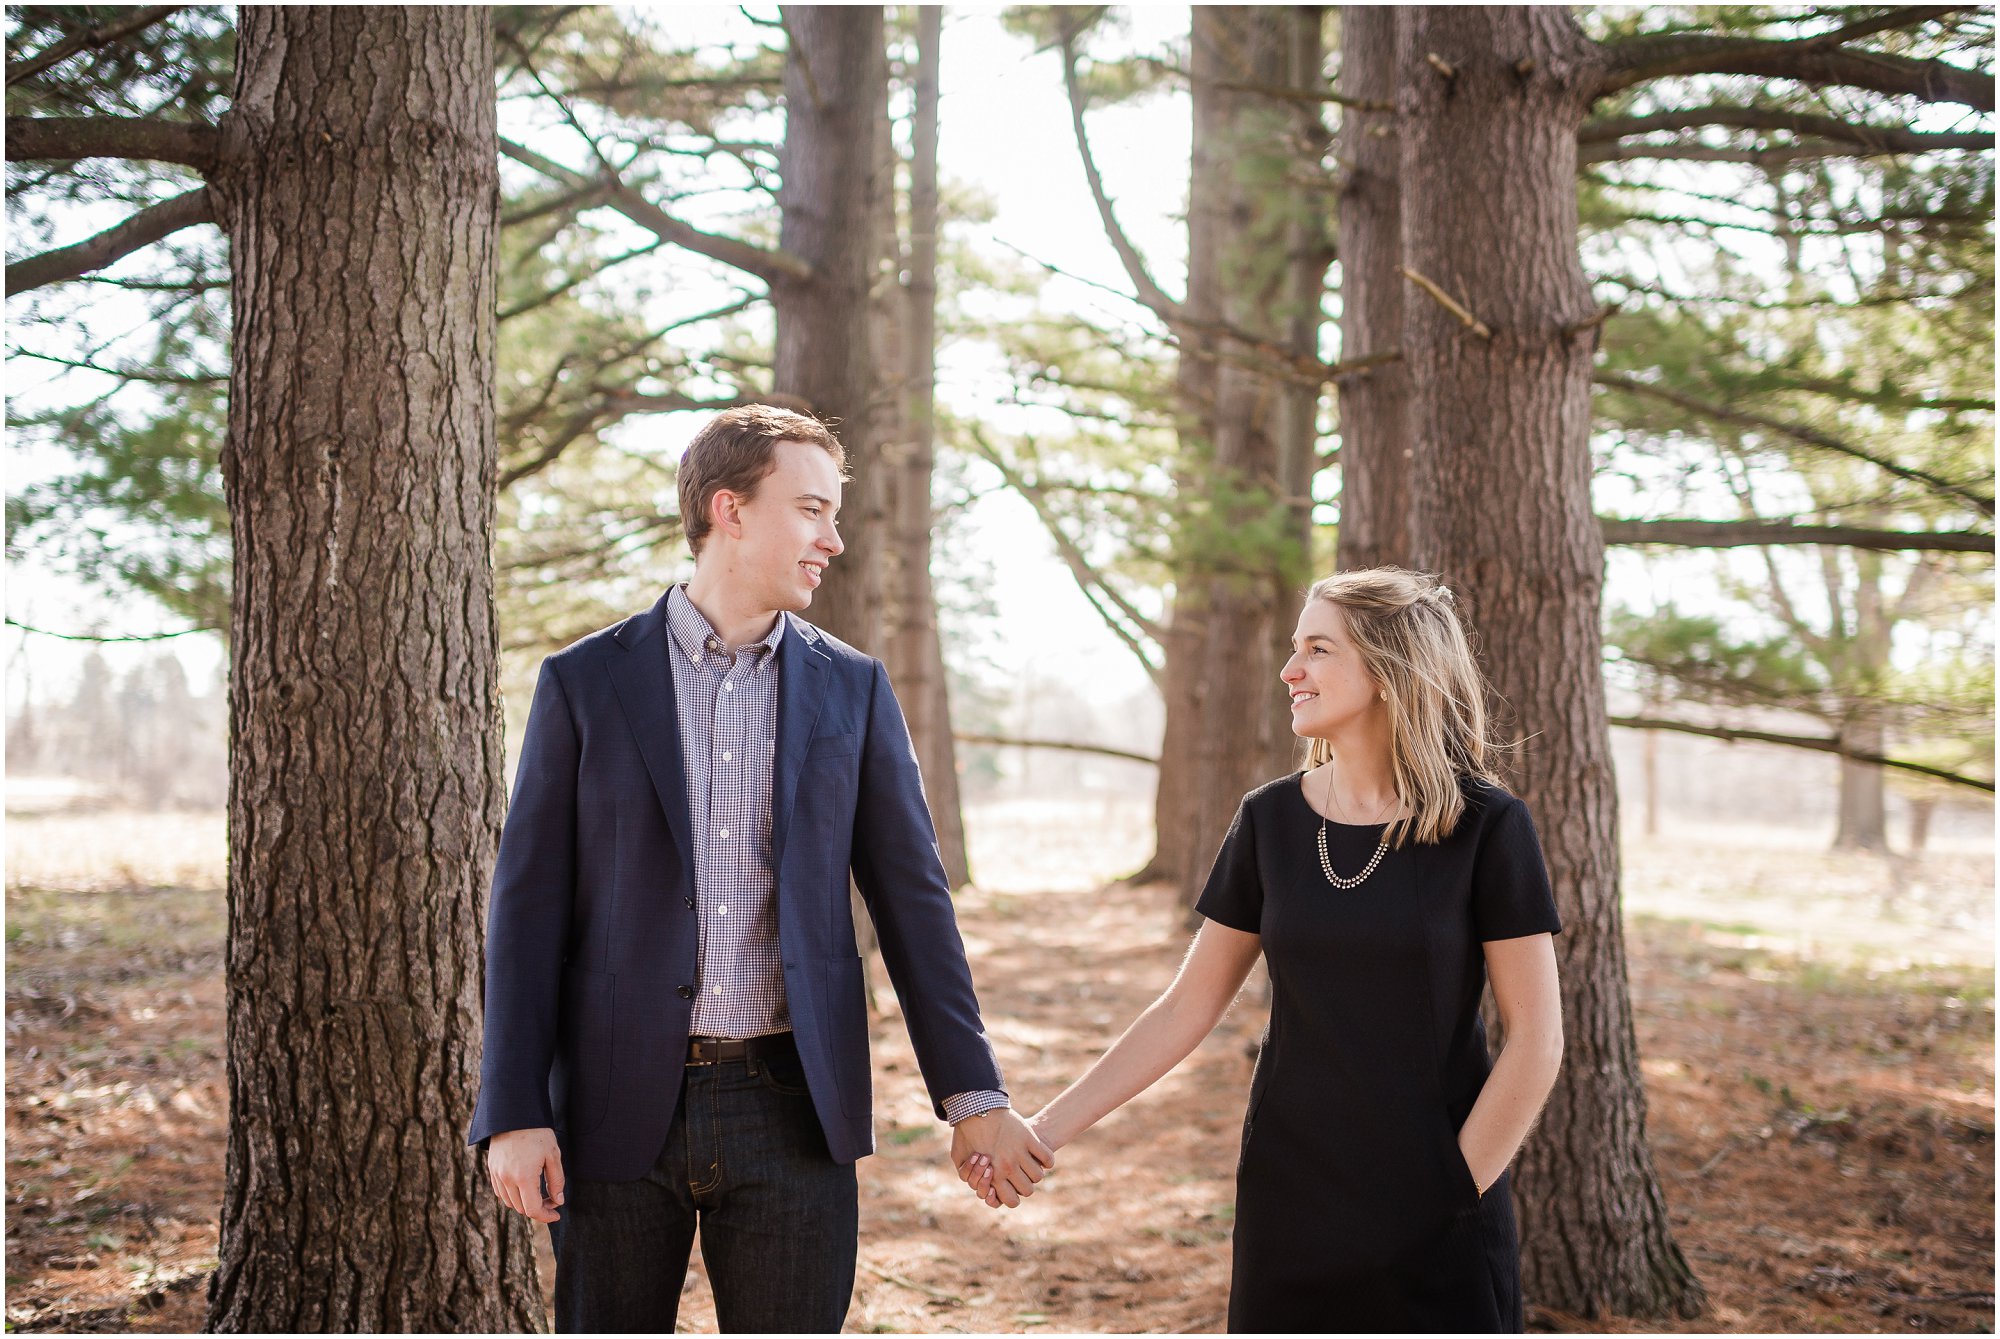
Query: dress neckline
(1298, 788)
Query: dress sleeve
(1234, 894)
(1511, 896)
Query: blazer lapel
(643, 679)
(802, 670)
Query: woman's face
(1330, 688)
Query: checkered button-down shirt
(727, 705)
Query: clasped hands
(997, 1153)
(1000, 1156)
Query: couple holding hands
(676, 1026)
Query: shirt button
(685, 992)
(724, 834)
(728, 687)
(725, 755)
(715, 990)
(722, 911)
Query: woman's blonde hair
(1414, 647)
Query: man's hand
(519, 1163)
(1000, 1157)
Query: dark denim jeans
(746, 1160)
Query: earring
(1383, 694)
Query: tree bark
(1489, 102)
(1376, 448)
(1922, 810)
(914, 654)
(836, 95)
(358, 182)
(1863, 816)
(1256, 260)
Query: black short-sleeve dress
(1354, 1208)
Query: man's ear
(725, 513)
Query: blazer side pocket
(847, 1033)
(580, 1086)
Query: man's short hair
(736, 449)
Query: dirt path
(1826, 1136)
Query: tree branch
(113, 244)
(1812, 60)
(770, 265)
(1005, 741)
(1448, 302)
(1313, 97)
(1150, 293)
(1802, 742)
(1088, 579)
(65, 139)
(576, 281)
(1795, 431)
(1774, 155)
(569, 201)
(1880, 139)
(1271, 359)
(609, 407)
(102, 35)
(1745, 534)
(92, 637)
(145, 376)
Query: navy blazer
(590, 937)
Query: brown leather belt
(718, 1050)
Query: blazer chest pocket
(832, 746)
(582, 1081)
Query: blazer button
(690, 902)
(685, 992)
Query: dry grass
(1817, 1031)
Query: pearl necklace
(1326, 865)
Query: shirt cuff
(961, 1105)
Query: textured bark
(1375, 441)
(1489, 101)
(1258, 256)
(911, 647)
(836, 95)
(358, 182)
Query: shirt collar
(693, 634)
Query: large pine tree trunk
(1256, 256)
(359, 188)
(836, 95)
(1375, 441)
(1489, 103)
(914, 654)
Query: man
(676, 1031)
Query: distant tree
(1242, 405)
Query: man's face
(787, 535)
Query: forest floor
(1817, 1034)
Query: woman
(1384, 884)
